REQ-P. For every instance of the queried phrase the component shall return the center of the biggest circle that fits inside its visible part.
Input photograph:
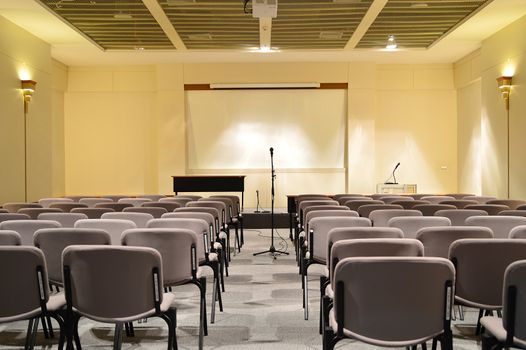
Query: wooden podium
(396, 188)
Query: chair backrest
(411, 224)
(13, 216)
(67, 206)
(460, 203)
(136, 202)
(92, 213)
(219, 206)
(480, 199)
(514, 287)
(115, 197)
(325, 213)
(410, 203)
(10, 237)
(152, 197)
(313, 202)
(521, 207)
(480, 266)
(391, 198)
(52, 242)
(3, 211)
(212, 211)
(169, 206)
(209, 218)
(156, 212)
(118, 207)
(366, 210)
(14, 207)
(307, 210)
(176, 246)
(24, 275)
(65, 219)
(193, 197)
(431, 209)
(235, 200)
(459, 195)
(340, 195)
(458, 216)
(76, 198)
(361, 247)
(419, 196)
(511, 203)
(110, 283)
(437, 240)
(115, 227)
(437, 199)
(518, 232)
(491, 209)
(198, 226)
(229, 205)
(341, 200)
(369, 308)
(381, 217)
(90, 202)
(35, 212)
(515, 212)
(140, 219)
(46, 202)
(179, 200)
(355, 204)
(26, 228)
(319, 231)
(501, 225)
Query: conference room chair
(115, 284)
(309, 203)
(458, 216)
(411, 224)
(390, 199)
(308, 197)
(199, 228)
(378, 196)
(410, 203)
(511, 203)
(115, 197)
(180, 200)
(237, 217)
(515, 212)
(179, 260)
(13, 216)
(419, 196)
(384, 310)
(139, 219)
(76, 198)
(10, 237)
(35, 212)
(459, 195)
(156, 212)
(152, 197)
(46, 202)
(14, 207)
(437, 240)
(499, 225)
(508, 331)
(521, 207)
(26, 296)
(367, 209)
(112, 205)
(193, 197)
(381, 217)
(518, 232)
(326, 210)
(343, 199)
(26, 228)
(340, 195)
(114, 227)
(90, 202)
(491, 209)
(431, 209)
(3, 211)
(169, 206)
(314, 249)
(65, 219)
(136, 202)
(480, 199)
(92, 213)
(437, 199)
(459, 203)
(67, 206)
(355, 204)
(480, 265)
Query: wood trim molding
(198, 87)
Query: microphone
(387, 182)
(271, 151)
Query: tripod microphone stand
(272, 250)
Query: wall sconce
(504, 84)
(28, 87)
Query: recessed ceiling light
(348, 1)
(122, 16)
(200, 36)
(418, 5)
(331, 35)
(391, 43)
(139, 48)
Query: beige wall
(125, 127)
(476, 75)
(22, 52)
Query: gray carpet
(262, 310)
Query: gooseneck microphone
(394, 182)
(271, 151)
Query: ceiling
(157, 31)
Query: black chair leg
(117, 338)
(477, 330)
(44, 327)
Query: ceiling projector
(264, 8)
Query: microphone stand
(387, 182)
(257, 203)
(272, 250)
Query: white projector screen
(234, 129)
